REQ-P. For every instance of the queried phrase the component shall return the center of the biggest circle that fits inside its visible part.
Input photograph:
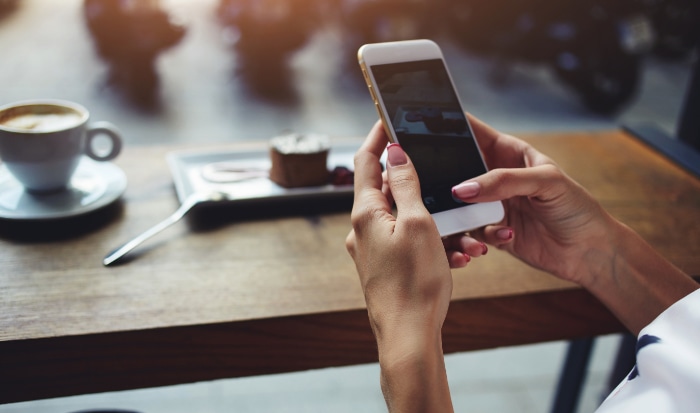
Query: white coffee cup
(42, 142)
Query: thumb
(403, 181)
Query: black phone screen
(431, 127)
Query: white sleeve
(667, 375)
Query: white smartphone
(419, 107)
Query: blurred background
(223, 70)
(203, 71)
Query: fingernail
(395, 155)
(484, 249)
(467, 257)
(466, 190)
(504, 234)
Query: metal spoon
(189, 202)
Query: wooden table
(255, 292)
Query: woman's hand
(405, 276)
(551, 222)
(554, 224)
(400, 259)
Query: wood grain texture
(44, 368)
(246, 290)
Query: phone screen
(431, 127)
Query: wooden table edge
(64, 366)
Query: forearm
(413, 376)
(633, 280)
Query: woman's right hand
(559, 227)
(551, 222)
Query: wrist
(406, 323)
(403, 334)
(413, 376)
(409, 348)
(589, 257)
(633, 280)
(597, 266)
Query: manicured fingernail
(467, 257)
(395, 155)
(466, 190)
(504, 234)
(484, 249)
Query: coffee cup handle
(103, 129)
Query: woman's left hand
(405, 276)
(401, 260)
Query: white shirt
(667, 375)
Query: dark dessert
(299, 160)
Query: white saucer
(94, 185)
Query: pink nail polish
(395, 155)
(504, 234)
(466, 190)
(467, 257)
(484, 248)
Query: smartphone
(420, 110)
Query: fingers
(403, 183)
(462, 248)
(385, 188)
(543, 182)
(368, 173)
(485, 134)
(504, 151)
(499, 236)
(457, 259)
(369, 200)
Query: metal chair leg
(572, 376)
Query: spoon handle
(189, 202)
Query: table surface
(237, 291)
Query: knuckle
(551, 171)
(362, 216)
(418, 222)
(553, 175)
(350, 243)
(403, 181)
(359, 158)
(500, 177)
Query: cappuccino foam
(43, 122)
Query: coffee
(42, 142)
(40, 119)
